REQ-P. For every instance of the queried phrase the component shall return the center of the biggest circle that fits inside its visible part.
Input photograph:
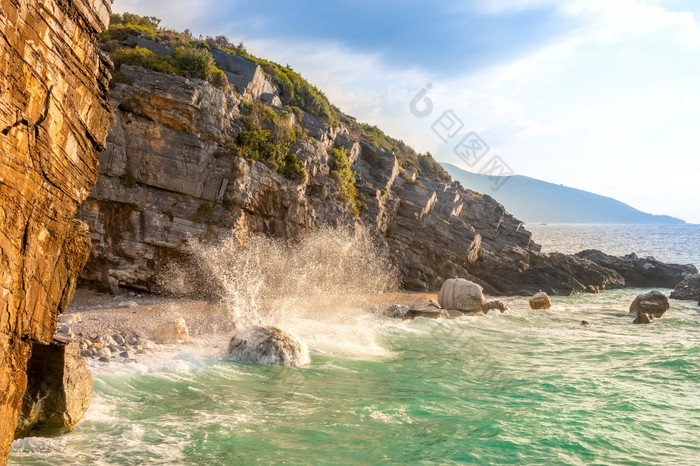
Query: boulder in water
(688, 289)
(495, 305)
(461, 295)
(267, 345)
(644, 319)
(653, 303)
(540, 301)
(59, 390)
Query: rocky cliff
(188, 158)
(53, 121)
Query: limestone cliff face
(163, 176)
(53, 120)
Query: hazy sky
(602, 95)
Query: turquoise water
(522, 387)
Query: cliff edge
(205, 139)
(53, 121)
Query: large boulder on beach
(461, 295)
(59, 390)
(540, 301)
(269, 346)
(688, 289)
(653, 303)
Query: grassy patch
(191, 58)
(203, 210)
(267, 137)
(344, 176)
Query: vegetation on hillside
(294, 89)
(343, 175)
(422, 164)
(268, 137)
(190, 58)
(186, 61)
(265, 139)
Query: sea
(521, 387)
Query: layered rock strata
(163, 179)
(53, 121)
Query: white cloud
(610, 107)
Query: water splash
(323, 275)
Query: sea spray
(266, 281)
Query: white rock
(72, 318)
(461, 295)
(268, 345)
(173, 332)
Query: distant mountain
(537, 201)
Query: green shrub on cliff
(191, 58)
(408, 158)
(296, 91)
(267, 137)
(203, 210)
(343, 175)
(186, 61)
(144, 58)
(195, 62)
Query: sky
(600, 95)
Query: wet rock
(105, 340)
(267, 345)
(397, 311)
(642, 272)
(118, 339)
(461, 295)
(540, 301)
(585, 322)
(643, 319)
(104, 353)
(429, 312)
(653, 303)
(59, 390)
(495, 305)
(688, 289)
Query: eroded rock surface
(53, 120)
(461, 295)
(540, 301)
(163, 178)
(642, 272)
(59, 390)
(653, 303)
(688, 289)
(268, 345)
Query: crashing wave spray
(264, 281)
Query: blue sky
(600, 95)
